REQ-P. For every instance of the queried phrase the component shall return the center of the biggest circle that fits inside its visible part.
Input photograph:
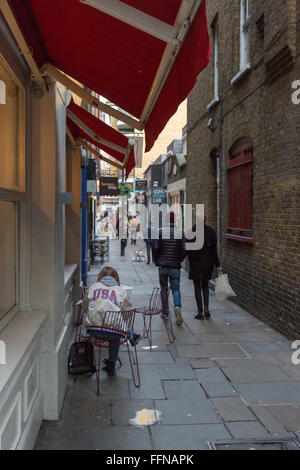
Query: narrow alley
(224, 379)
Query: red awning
(118, 60)
(78, 118)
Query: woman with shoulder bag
(202, 264)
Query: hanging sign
(109, 187)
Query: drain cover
(246, 444)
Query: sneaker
(200, 316)
(178, 315)
(136, 338)
(164, 316)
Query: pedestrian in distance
(169, 253)
(202, 264)
(149, 240)
(133, 224)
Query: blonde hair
(108, 271)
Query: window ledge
(240, 75)
(240, 238)
(213, 103)
(69, 272)
(18, 337)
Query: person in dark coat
(168, 253)
(202, 264)
(149, 240)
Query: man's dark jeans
(171, 275)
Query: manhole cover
(267, 444)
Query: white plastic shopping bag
(223, 289)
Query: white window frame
(244, 35)
(245, 41)
(216, 98)
(216, 62)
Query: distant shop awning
(83, 125)
(144, 56)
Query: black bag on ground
(81, 359)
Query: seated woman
(107, 295)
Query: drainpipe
(219, 153)
(84, 226)
(218, 202)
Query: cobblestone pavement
(227, 378)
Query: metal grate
(255, 444)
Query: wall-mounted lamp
(211, 125)
(2, 92)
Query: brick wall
(266, 274)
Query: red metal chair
(116, 324)
(155, 307)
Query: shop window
(12, 187)
(12, 174)
(240, 191)
(8, 256)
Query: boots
(109, 367)
(206, 313)
(199, 316)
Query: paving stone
(287, 415)
(293, 371)
(210, 375)
(232, 409)
(92, 411)
(201, 363)
(110, 387)
(269, 393)
(255, 359)
(91, 437)
(211, 351)
(187, 437)
(255, 337)
(212, 338)
(170, 371)
(261, 347)
(151, 388)
(155, 357)
(183, 389)
(283, 357)
(186, 411)
(124, 410)
(218, 389)
(270, 422)
(257, 374)
(249, 430)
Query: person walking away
(202, 264)
(149, 240)
(107, 295)
(169, 252)
(133, 230)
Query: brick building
(243, 130)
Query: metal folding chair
(115, 325)
(155, 307)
